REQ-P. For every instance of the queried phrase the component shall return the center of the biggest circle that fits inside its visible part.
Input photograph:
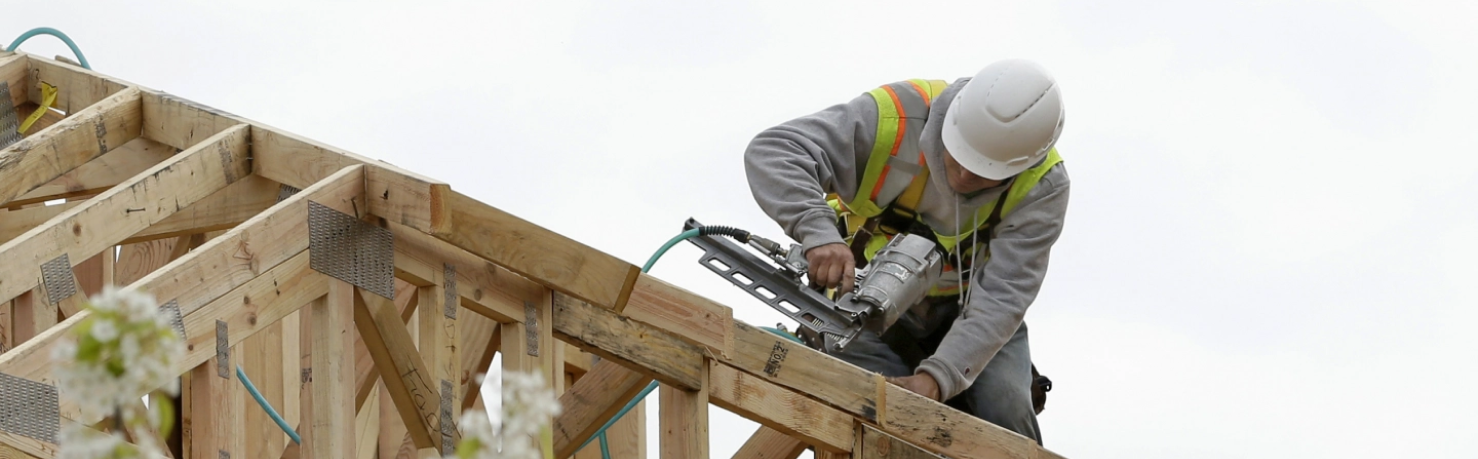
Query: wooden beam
(397, 195)
(261, 361)
(218, 404)
(138, 260)
(800, 368)
(367, 427)
(100, 174)
(181, 124)
(691, 317)
(488, 289)
(333, 376)
(543, 256)
(781, 409)
(78, 88)
(640, 347)
(221, 265)
(222, 210)
(591, 402)
(413, 388)
(48, 154)
(439, 344)
(111, 217)
(16, 222)
(950, 432)
(875, 444)
(480, 342)
(684, 420)
(767, 443)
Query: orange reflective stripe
(928, 98)
(883, 177)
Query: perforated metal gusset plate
(57, 275)
(10, 121)
(448, 429)
(29, 408)
(284, 192)
(176, 320)
(449, 283)
(350, 250)
(531, 327)
(223, 351)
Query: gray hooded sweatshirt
(791, 167)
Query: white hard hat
(1004, 120)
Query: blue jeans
(1001, 394)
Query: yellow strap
(882, 146)
(48, 97)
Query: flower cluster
(122, 350)
(521, 427)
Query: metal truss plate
(350, 250)
(10, 121)
(176, 320)
(531, 327)
(448, 426)
(284, 192)
(223, 351)
(449, 283)
(29, 408)
(57, 276)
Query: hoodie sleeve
(1004, 288)
(791, 167)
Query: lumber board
(221, 210)
(7, 326)
(950, 432)
(543, 256)
(179, 123)
(635, 345)
(93, 273)
(25, 447)
(109, 218)
(218, 406)
(77, 88)
(105, 172)
(875, 444)
(689, 316)
(800, 368)
(18, 221)
(46, 155)
(333, 376)
(594, 399)
(367, 427)
(486, 288)
(15, 70)
(413, 389)
(782, 409)
(138, 260)
(480, 342)
(397, 195)
(49, 117)
(33, 314)
(221, 265)
(684, 420)
(261, 361)
(256, 304)
(767, 443)
(439, 345)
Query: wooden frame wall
(197, 206)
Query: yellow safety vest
(893, 184)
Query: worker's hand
(831, 266)
(921, 384)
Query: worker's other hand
(831, 266)
(921, 384)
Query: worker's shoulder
(1056, 176)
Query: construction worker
(970, 164)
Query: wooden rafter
(121, 151)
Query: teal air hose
(742, 236)
(55, 33)
(245, 381)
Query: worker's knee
(871, 353)
(1005, 402)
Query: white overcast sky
(1270, 247)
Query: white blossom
(122, 350)
(518, 428)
